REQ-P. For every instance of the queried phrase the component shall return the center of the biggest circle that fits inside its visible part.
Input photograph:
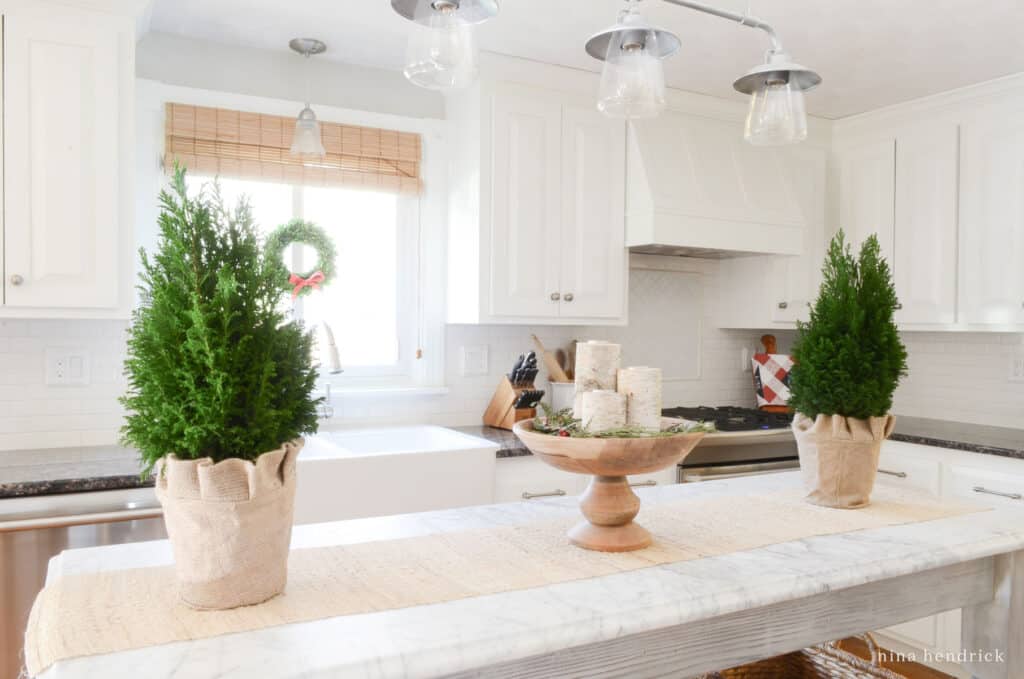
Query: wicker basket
(826, 661)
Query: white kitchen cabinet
(593, 248)
(536, 215)
(524, 256)
(529, 478)
(68, 105)
(992, 219)
(795, 279)
(925, 235)
(867, 193)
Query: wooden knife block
(501, 411)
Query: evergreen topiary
(214, 369)
(849, 358)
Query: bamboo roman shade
(243, 145)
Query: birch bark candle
(642, 388)
(603, 409)
(597, 363)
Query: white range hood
(695, 188)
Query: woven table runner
(111, 611)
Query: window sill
(383, 392)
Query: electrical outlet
(67, 367)
(474, 360)
(1016, 368)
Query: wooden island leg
(997, 626)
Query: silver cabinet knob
(16, 279)
(898, 306)
(569, 297)
(783, 305)
(555, 297)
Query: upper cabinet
(867, 193)
(536, 222)
(903, 189)
(925, 228)
(992, 219)
(940, 182)
(67, 162)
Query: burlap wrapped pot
(839, 457)
(230, 525)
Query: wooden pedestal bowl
(608, 504)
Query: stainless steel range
(748, 442)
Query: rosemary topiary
(849, 358)
(213, 367)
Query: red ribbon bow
(299, 282)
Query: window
(371, 306)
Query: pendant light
(633, 81)
(776, 90)
(632, 78)
(442, 52)
(306, 142)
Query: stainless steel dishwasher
(29, 539)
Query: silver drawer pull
(901, 475)
(648, 482)
(986, 491)
(553, 493)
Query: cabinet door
(926, 223)
(593, 237)
(798, 277)
(61, 133)
(526, 192)
(992, 219)
(867, 193)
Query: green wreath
(306, 233)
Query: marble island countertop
(660, 614)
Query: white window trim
(427, 310)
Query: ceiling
(871, 53)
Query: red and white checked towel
(771, 378)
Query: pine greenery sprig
(562, 423)
(214, 369)
(849, 357)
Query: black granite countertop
(57, 471)
(973, 438)
(509, 444)
(69, 470)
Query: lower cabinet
(959, 476)
(528, 478)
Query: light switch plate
(474, 360)
(67, 366)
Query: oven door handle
(81, 515)
(691, 474)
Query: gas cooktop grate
(732, 418)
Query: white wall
(282, 74)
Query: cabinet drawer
(909, 472)
(994, 488)
(518, 475)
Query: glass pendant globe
(306, 140)
(776, 115)
(441, 54)
(632, 83)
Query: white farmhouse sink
(357, 473)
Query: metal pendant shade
(632, 29)
(778, 68)
(466, 11)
